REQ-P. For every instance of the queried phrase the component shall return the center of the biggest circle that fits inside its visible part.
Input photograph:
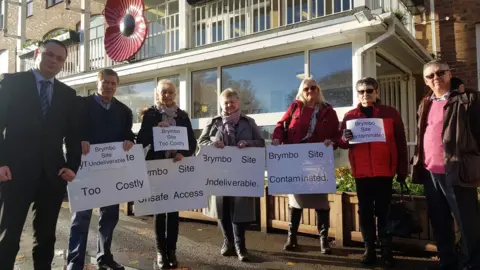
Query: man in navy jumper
(105, 120)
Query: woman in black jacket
(166, 113)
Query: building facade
(259, 47)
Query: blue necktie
(44, 100)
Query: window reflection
(332, 69)
(265, 86)
(204, 93)
(137, 96)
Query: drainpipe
(432, 26)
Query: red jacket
(326, 128)
(379, 158)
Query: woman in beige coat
(232, 128)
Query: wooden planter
(344, 220)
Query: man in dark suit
(104, 120)
(37, 116)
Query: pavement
(199, 246)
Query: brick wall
(456, 38)
(43, 21)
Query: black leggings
(166, 231)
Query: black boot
(240, 248)
(162, 261)
(386, 251)
(323, 225)
(295, 215)
(172, 258)
(228, 248)
(369, 256)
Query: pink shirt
(432, 139)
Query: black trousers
(374, 197)
(233, 232)
(16, 196)
(446, 202)
(166, 231)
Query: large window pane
(332, 69)
(265, 86)
(204, 93)
(137, 97)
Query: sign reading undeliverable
(232, 171)
(301, 169)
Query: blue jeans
(446, 202)
(77, 243)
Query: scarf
(168, 115)
(229, 122)
(313, 123)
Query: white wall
(3, 61)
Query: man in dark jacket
(447, 162)
(105, 120)
(37, 114)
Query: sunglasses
(439, 73)
(368, 91)
(313, 88)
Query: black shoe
(227, 249)
(325, 246)
(162, 262)
(291, 244)
(172, 258)
(369, 257)
(387, 257)
(241, 253)
(112, 265)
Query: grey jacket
(247, 130)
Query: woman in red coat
(310, 120)
(374, 165)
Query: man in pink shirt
(447, 163)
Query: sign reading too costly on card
(301, 169)
(175, 187)
(98, 188)
(232, 171)
(170, 138)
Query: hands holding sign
(5, 174)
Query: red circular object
(117, 46)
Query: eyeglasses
(439, 73)
(368, 91)
(313, 88)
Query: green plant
(30, 42)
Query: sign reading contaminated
(367, 130)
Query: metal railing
(226, 19)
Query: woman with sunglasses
(374, 165)
(309, 119)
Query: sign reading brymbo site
(300, 169)
(232, 171)
(170, 138)
(175, 187)
(93, 188)
(366, 130)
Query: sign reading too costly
(367, 130)
(175, 187)
(232, 171)
(301, 169)
(170, 138)
(97, 188)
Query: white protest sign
(232, 171)
(366, 130)
(175, 187)
(97, 188)
(105, 156)
(301, 169)
(170, 138)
